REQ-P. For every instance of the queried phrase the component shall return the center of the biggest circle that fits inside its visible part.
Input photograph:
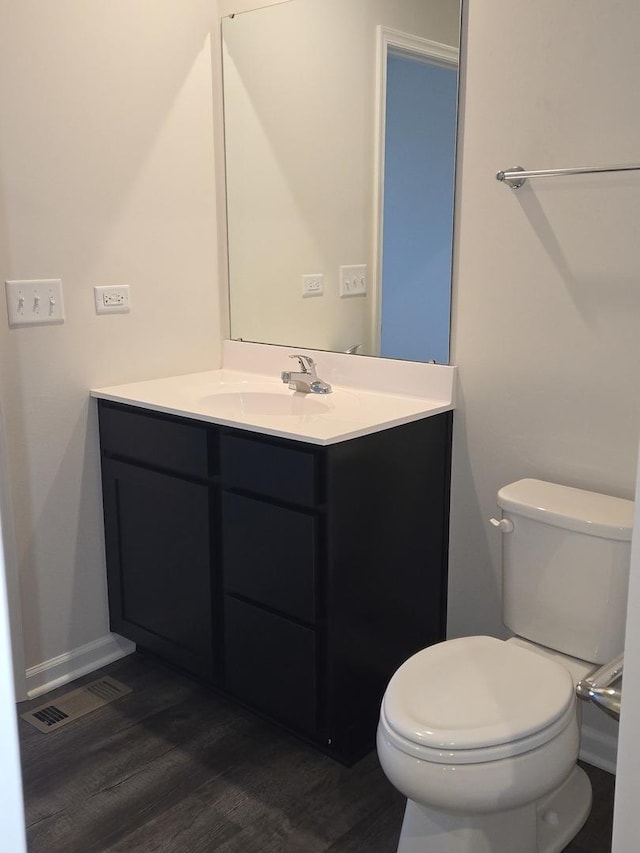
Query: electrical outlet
(353, 280)
(35, 302)
(313, 285)
(112, 300)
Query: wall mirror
(340, 124)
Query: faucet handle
(305, 361)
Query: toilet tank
(565, 567)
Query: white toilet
(482, 735)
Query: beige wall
(547, 299)
(106, 177)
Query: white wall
(106, 177)
(13, 836)
(10, 568)
(547, 296)
(625, 827)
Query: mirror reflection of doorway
(419, 162)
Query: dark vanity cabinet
(294, 577)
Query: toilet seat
(476, 699)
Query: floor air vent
(68, 707)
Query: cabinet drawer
(160, 442)
(270, 663)
(270, 554)
(284, 473)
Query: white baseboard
(598, 748)
(71, 665)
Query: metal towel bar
(516, 176)
(598, 687)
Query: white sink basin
(261, 403)
(236, 404)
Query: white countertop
(260, 402)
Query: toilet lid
(475, 692)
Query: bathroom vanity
(293, 574)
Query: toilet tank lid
(572, 509)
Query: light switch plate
(34, 302)
(353, 280)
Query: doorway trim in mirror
(393, 42)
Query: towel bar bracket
(603, 687)
(509, 177)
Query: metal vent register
(68, 707)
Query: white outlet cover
(35, 302)
(313, 285)
(114, 299)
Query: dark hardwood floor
(173, 768)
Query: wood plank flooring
(173, 768)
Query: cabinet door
(159, 563)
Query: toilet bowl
(481, 735)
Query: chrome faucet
(306, 379)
